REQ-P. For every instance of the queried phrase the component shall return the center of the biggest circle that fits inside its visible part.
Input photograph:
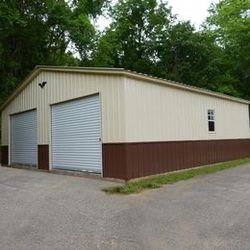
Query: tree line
(143, 36)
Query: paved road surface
(41, 211)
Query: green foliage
(157, 181)
(40, 32)
(229, 21)
(188, 56)
(81, 31)
(144, 36)
(130, 41)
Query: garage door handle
(100, 139)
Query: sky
(193, 10)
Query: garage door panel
(24, 138)
(87, 114)
(88, 109)
(76, 132)
(84, 126)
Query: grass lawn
(169, 178)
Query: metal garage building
(119, 123)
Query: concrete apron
(84, 174)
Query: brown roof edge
(116, 71)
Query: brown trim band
(43, 157)
(133, 160)
(4, 155)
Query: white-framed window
(211, 120)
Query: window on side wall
(211, 120)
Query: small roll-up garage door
(24, 138)
(76, 135)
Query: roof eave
(24, 83)
(186, 87)
(116, 71)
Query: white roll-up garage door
(76, 133)
(24, 138)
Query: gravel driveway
(48, 211)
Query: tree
(81, 31)
(229, 21)
(144, 36)
(40, 32)
(131, 39)
(194, 58)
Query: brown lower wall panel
(43, 157)
(114, 160)
(4, 155)
(132, 160)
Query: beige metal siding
(132, 110)
(161, 113)
(65, 86)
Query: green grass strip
(170, 178)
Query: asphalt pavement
(41, 211)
